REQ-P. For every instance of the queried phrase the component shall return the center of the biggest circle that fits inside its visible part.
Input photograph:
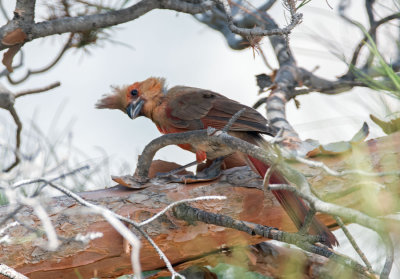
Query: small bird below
(181, 109)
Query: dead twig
(37, 90)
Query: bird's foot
(212, 172)
(130, 181)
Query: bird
(182, 108)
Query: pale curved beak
(134, 108)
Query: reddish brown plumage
(184, 108)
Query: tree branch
(306, 242)
(268, 157)
(11, 273)
(258, 31)
(354, 244)
(37, 90)
(30, 72)
(89, 22)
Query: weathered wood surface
(107, 256)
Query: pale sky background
(185, 52)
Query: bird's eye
(134, 92)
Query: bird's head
(135, 100)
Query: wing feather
(198, 109)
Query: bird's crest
(117, 100)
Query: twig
(122, 218)
(17, 121)
(162, 255)
(307, 221)
(10, 272)
(10, 215)
(162, 212)
(389, 255)
(47, 181)
(44, 218)
(257, 31)
(126, 234)
(233, 119)
(37, 90)
(30, 72)
(278, 137)
(10, 225)
(267, 177)
(371, 31)
(332, 172)
(354, 243)
(30, 181)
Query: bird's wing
(193, 108)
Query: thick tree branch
(11, 273)
(242, 203)
(268, 157)
(89, 22)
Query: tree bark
(108, 256)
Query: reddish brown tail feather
(293, 205)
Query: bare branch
(162, 212)
(30, 72)
(18, 122)
(111, 214)
(307, 221)
(321, 165)
(89, 22)
(127, 234)
(37, 90)
(389, 255)
(11, 273)
(233, 119)
(371, 32)
(10, 225)
(7, 101)
(44, 218)
(258, 31)
(354, 243)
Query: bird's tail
(293, 205)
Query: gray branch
(89, 22)
(306, 242)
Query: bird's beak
(134, 108)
